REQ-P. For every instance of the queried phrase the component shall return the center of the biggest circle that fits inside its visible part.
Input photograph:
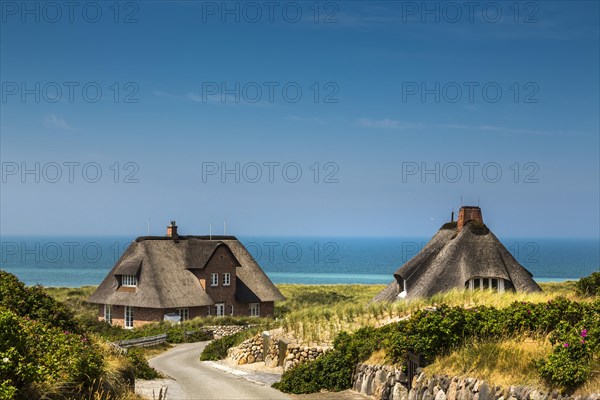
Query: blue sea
(77, 261)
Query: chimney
(468, 213)
(172, 231)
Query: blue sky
(389, 90)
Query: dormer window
(496, 284)
(128, 281)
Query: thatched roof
(165, 280)
(451, 258)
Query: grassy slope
(316, 313)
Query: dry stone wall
(385, 382)
(225, 330)
(278, 352)
(298, 354)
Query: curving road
(195, 380)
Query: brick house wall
(143, 315)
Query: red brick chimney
(172, 231)
(468, 213)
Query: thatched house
(161, 277)
(462, 254)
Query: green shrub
(332, 371)
(569, 365)
(41, 344)
(142, 370)
(217, 349)
(34, 303)
(431, 333)
(590, 285)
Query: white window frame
(128, 317)
(128, 280)
(108, 312)
(184, 314)
(231, 309)
(226, 279)
(208, 313)
(254, 309)
(501, 284)
(214, 279)
(219, 309)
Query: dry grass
(504, 363)
(317, 313)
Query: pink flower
(582, 341)
(566, 345)
(66, 332)
(584, 333)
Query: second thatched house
(462, 254)
(181, 277)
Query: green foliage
(177, 334)
(574, 330)
(217, 349)
(142, 369)
(41, 343)
(590, 285)
(332, 371)
(34, 303)
(575, 345)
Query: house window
(128, 317)
(129, 280)
(184, 314)
(495, 284)
(220, 309)
(231, 309)
(108, 313)
(226, 279)
(255, 309)
(214, 279)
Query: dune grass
(317, 313)
(504, 363)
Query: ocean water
(77, 261)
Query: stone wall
(252, 350)
(452, 388)
(219, 331)
(383, 382)
(298, 354)
(248, 352)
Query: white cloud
(387, 123)
(54, 122)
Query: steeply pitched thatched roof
(451, 258)
(165, 280)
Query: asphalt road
(195, 380)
